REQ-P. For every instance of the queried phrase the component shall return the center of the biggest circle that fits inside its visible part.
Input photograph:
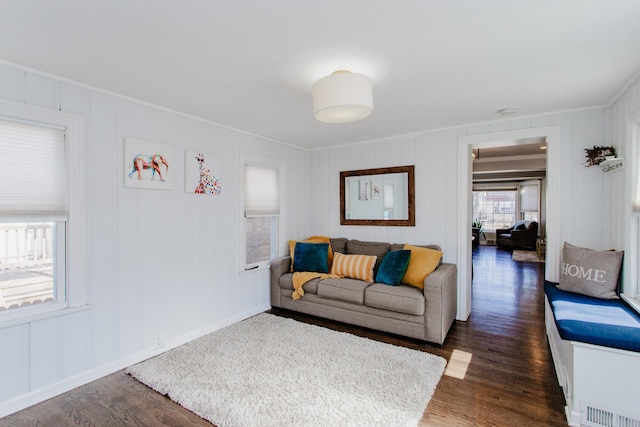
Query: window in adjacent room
(496, 209)
(261, 214)
(33, 215)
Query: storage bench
(595, 345)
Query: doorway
(508, 186)
(466, 147)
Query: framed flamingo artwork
(146, 164)
(202, 173)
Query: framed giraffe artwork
(147, 164)
(202, 173)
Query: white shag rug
(273, 371)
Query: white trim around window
(262, 211)
(74, 228)
(631, 287)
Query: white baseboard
(24, 401)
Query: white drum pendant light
(342, 97)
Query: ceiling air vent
(597, 415)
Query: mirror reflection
(381, 196)
(377, 196)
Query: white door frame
(465, 145)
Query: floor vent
(602, 416)
(491, 242)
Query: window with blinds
(33, 214)
(261, 214)
(631, 289)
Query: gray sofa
(404, 310)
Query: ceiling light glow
(342, 97)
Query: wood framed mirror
(382, 196)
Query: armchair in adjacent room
(522, 234)
(475, 233)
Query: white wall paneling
(575, 198)
(159, 264)
(42, 91)
(12, 83)
(14, 369)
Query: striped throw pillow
(354, 266)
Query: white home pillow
(589, 272)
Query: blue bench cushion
(610, 323)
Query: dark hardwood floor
(509, 381)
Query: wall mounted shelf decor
(612, 164)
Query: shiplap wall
(435, 156)
(579, 201)
(159, 263)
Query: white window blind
(32, 169)
(529, 198)
(261, 190)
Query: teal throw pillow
(311, 257)
(393, 266)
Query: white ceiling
(250, 64)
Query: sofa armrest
(501, 231)
(441, 299)
(279, 266)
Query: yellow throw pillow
(312, 239)
(422, 262)
(354, 266)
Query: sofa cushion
(339, 244)
(354, 266)
(611, 323)
(311, 257)
(519, 225)
(590, 272)
(347, 290)
(312, 239)
(286, 282)
(400, 246)
(393, 267)
(324, 239)
(422, 262)
(396, 247)
(401, 299)
(378, 249)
